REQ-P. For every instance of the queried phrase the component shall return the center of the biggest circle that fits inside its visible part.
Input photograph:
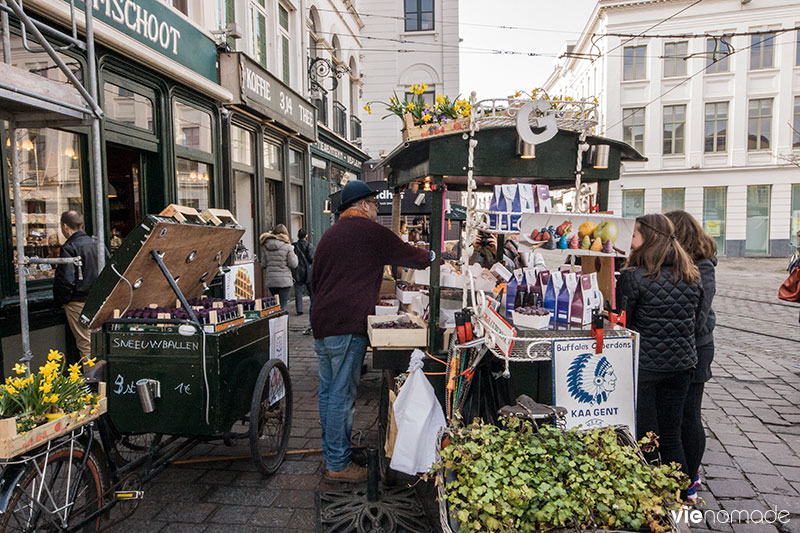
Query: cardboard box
(12, 444)
(406, 297)
(388, 286)
(397, 338)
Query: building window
(419, 15)
(127, 107)
(796, 123)
(633, 127)
(273, 162)
(795, 224)
(762, 49)
(180, 5)
(192, 127)
(429, 97)
(716, 132)
(717, 51)
(634, 62)
(226, 14)
(759, 124)
(675, 59)
(258, 31)
(633, 203)
(797, 50)
(283, 26)
(714, 207)
(50, 171)
(672, 199)
(674, 126)
(241, 146)
(757, 232)
(193, 183)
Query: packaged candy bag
(510, 202)
(564, 306)
(554, 284)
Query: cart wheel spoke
(271, 416)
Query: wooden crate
(413, 133)
(12, 444)
(219, 217)
(393, 338)
(181, 213)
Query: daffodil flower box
(13, 444)
(413, 133)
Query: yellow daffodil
(20, 369)
(90, 362)
(368, 109)
(45, 387)
(440, 99)
(411, 106)
(74, 378)
(517, 94)
(421, 88)
(75, 367)
(426, 118)
(10, 389)
(54, 355)
(53, 398)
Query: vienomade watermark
(736, 516)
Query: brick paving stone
(791, 473)
(298, 481)
(296, 499)
(304, 520)
(793, 526)
(730, 488)
(763, 437)
(717, 458)
(219, 477)
(190, 512)
(728, 472)
(743, 505)
(773, 484)
(752, 466)
(231, 514)
(733, 439)
(257, 496)
(784, 503)
(706, 500)
(745, 451)
(753, 528)
(271, 518)
(240, 528)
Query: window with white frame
(258, 31)
(717, 52)
(762, 49)
(226, 14)
(285, 39)
(418, 15)
(632, 203)
(633, 127)
(634, 62)
(716, 131)
(674, 128)
(759, 124)
(796, 123)
(675, 59)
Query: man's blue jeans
(340, 358)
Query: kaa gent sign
(259, 90)
(159, 28)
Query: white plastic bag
(419, 417)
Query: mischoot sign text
(158, 28)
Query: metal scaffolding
(28, 100)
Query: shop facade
(163, 121)
(270, 129)
(334, 162)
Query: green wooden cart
(183, 378)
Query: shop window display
(49, 167)
(192, 127)
(193, 180)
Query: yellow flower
(53, 398)
(517, 94)
(421, 88)
(18, 383)
(368, 109)
(426, 118)
(440, 99)
(54, 355)
(45, 387)
(10, 389)
(20, 369)
(73, 377)
(75, 367)
(49, 368)
(90, 362)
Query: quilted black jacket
(666, 316)
(66, 285)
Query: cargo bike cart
(180, 370)
(507, 141)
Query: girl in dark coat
(703, 251)
(660, 287)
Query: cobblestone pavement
(752, 461)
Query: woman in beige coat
(279, 260)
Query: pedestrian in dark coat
(703, 251)
(304, 251)
(661, 290)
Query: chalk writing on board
(155, 345)
(183, 388)
(122, 387)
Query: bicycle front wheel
(56, 494)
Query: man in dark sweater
(68, 289)
(348, 269)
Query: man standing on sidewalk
(68, 289)
(348, 269)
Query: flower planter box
(413, 133)
(12, 444)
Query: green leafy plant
(511, 478)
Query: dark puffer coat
(666, 315)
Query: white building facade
(410, 42)
(717, 117)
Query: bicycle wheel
(56, 494)
(271, 416)
(131, 446)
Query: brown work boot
(352, 473)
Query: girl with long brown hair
(660, 288)
(703, 251)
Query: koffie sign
(597, 390)
(159, 28)
(255, 87)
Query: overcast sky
(499, 75)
